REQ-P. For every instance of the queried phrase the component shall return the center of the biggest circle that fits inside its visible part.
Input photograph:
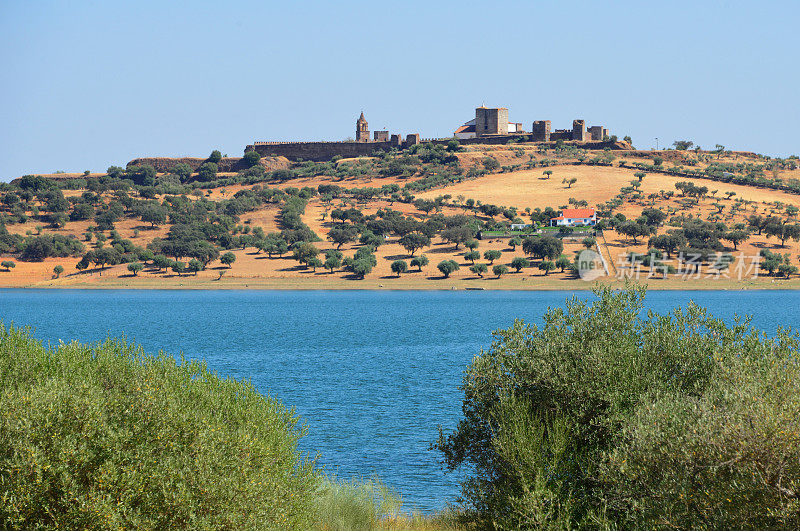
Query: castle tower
(362, 129)
(491, 121)
(541, 131)
(579, 130)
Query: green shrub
(251, 158)
(607, 416)
(104, 436)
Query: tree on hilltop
(251, 158)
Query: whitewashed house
(571, 217)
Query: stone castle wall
(322, 151)
(561, 134)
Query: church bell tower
(362, 129)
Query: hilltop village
(496, 205)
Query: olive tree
(228, 259)
(178, 267)
(447, 267)
(195, 265)
(135, 267)
(419, 262)
(333, 259)
(546, 266)
(414, 241)
(472, 256)
(399, 266)
(492, 255)
(478, 269)
(519, 262)
(499, 270)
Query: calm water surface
(372, 373)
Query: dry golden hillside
(555, 180)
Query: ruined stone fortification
(322, 151)
(491, 126)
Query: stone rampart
(322, 151)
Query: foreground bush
(604, 417)
(104, 436)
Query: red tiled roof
(466, 129)
(571, 213)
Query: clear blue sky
(90, 84)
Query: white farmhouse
(571, 217)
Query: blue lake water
(371, 373)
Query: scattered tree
(342, 234)
(228, 259)
(178, 267)
(492, 255)
(447, 267)
(419, 262)
(414, 241)
(135, 267)
(314, 262)
(479, 269)
(399, 266)
(519, 262)
(563, 262)
(546, 266)
(499, 269)
(472, 256)
(195, 265)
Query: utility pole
(656, 143)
